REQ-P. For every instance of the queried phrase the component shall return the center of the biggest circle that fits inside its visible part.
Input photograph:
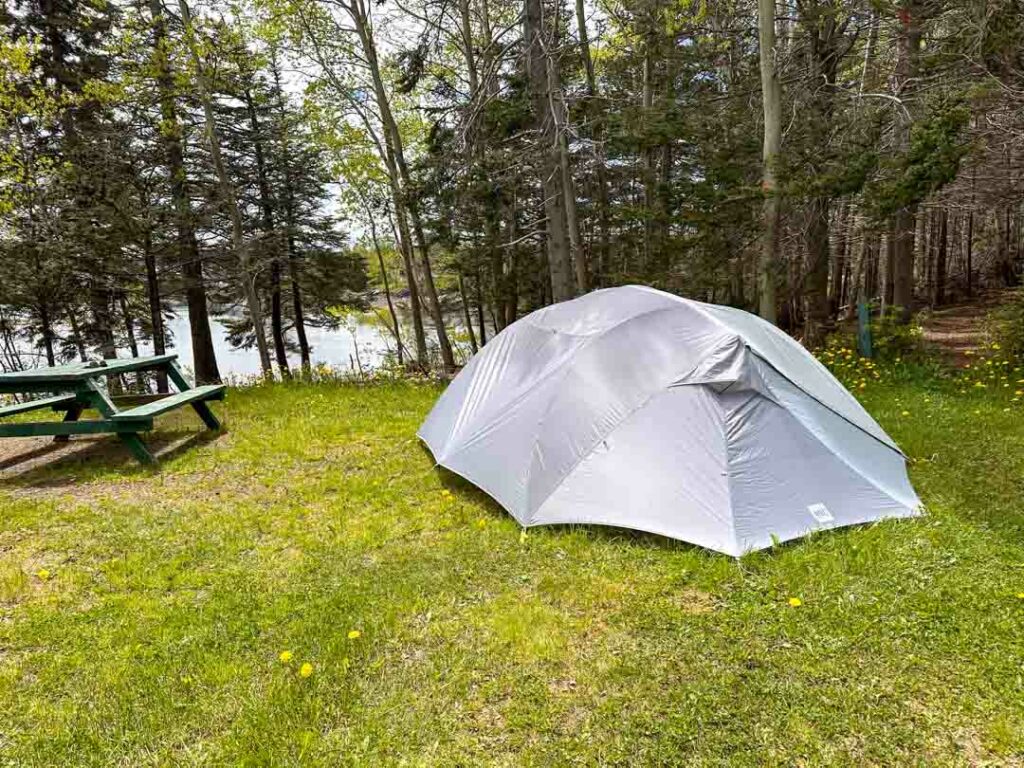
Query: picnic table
(75, 387)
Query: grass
(143, 614)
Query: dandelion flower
(354, 634)
(306, 670)
(1020, 595)
(795, 602)
(906, 413)
(481, 523)
(446, 493)
(43, 574)
(285, 656)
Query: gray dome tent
(635, 408)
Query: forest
(455, 164)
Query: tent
(635, 408)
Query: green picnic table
(74, 387)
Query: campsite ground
(143, 614)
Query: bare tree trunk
(76, 333)
(467, 317)
(816, 280)
(228, 199)
(593, 110)
(359, 14)
(204, 358)
(969, 247)
(908, 45)
(538, 68)
(939, 294)
(396, 330)
(480, 310)
(273, 241)
(48, 335)
(771, 97)
(294, 269)
(400, 226)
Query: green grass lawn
(143, 614)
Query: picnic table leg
(131, 440)
(137, 447)
(175, 374)
(72, 414)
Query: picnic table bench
(75, 387)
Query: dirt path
(962, 327)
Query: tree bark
(396, 329)
(247, 275)
(294, 267)
(359, 14)
(204, 358)
(594, 112)
(816, 280)
(908, 45)
(466, 315)
(536, 41)
(771, 97)
(939, 294)
(271, 238)
(156, 314)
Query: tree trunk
(480, 310)
(247, 275)
(396, 329)
(402, 181)
(594, 112)
(400, 227)
(537, 45)
(270, 235)
(908, 45)
(771, 97)
(969, 247)
(467, 317)
(294, 267)
(939, 294)
(156, 314)
(816, 279)
(204, 358)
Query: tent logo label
(820, 513)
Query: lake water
(334, 347)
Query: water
(333, 347)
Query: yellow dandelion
(481, 523)
(795, 602)
(285, 656)
(1020, 595)
(354, 634)
(43, 574)
(446, 493)
(306, 670)
(906, 413)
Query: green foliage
(937, 147)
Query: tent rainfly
(635, 408)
